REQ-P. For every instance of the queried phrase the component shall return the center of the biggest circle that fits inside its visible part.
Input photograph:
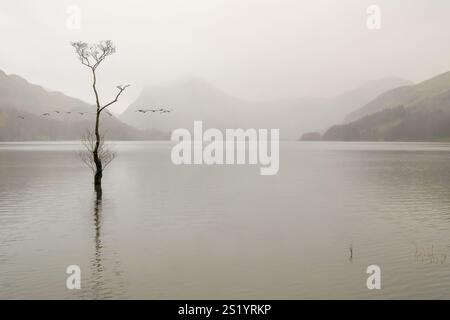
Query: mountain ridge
(23, 105)
(409, 96)
(419, 112)
(198, 99)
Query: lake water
(207, 232)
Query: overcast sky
(255, 49)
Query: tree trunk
(98, 162)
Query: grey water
(215, 232)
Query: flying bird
(21, 117)
(142, 111)
(46, 114)
(160, 110)
(57, 111)
(68, 112)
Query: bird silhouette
(160, 110)
(68, 112)
(21, 117)
(46, 114)
(57, 111)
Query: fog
(252, 49)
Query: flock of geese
(161, 110)
(48, 114)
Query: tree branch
(121, 89)
(92, 55)
(82, 50)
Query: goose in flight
(160, 110)
(142, 110)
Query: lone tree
(97, 155)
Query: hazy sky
(256, 49)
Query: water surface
(208, 232)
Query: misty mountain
(352, 100)
(413, 113)
(396, 124)
(196, 99)
(430, 93)
(190, 100)
(23, 104)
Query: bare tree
(105, 154)
(91, 56)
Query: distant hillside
(193, 99)
(430, 93)
(18, 93)
(311, 136)
(196, 99)
(353, 100)
(396, 124)
(23, 104)
(414, 113)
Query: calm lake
(210, 232)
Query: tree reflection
(97, 263)
(103, 286)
